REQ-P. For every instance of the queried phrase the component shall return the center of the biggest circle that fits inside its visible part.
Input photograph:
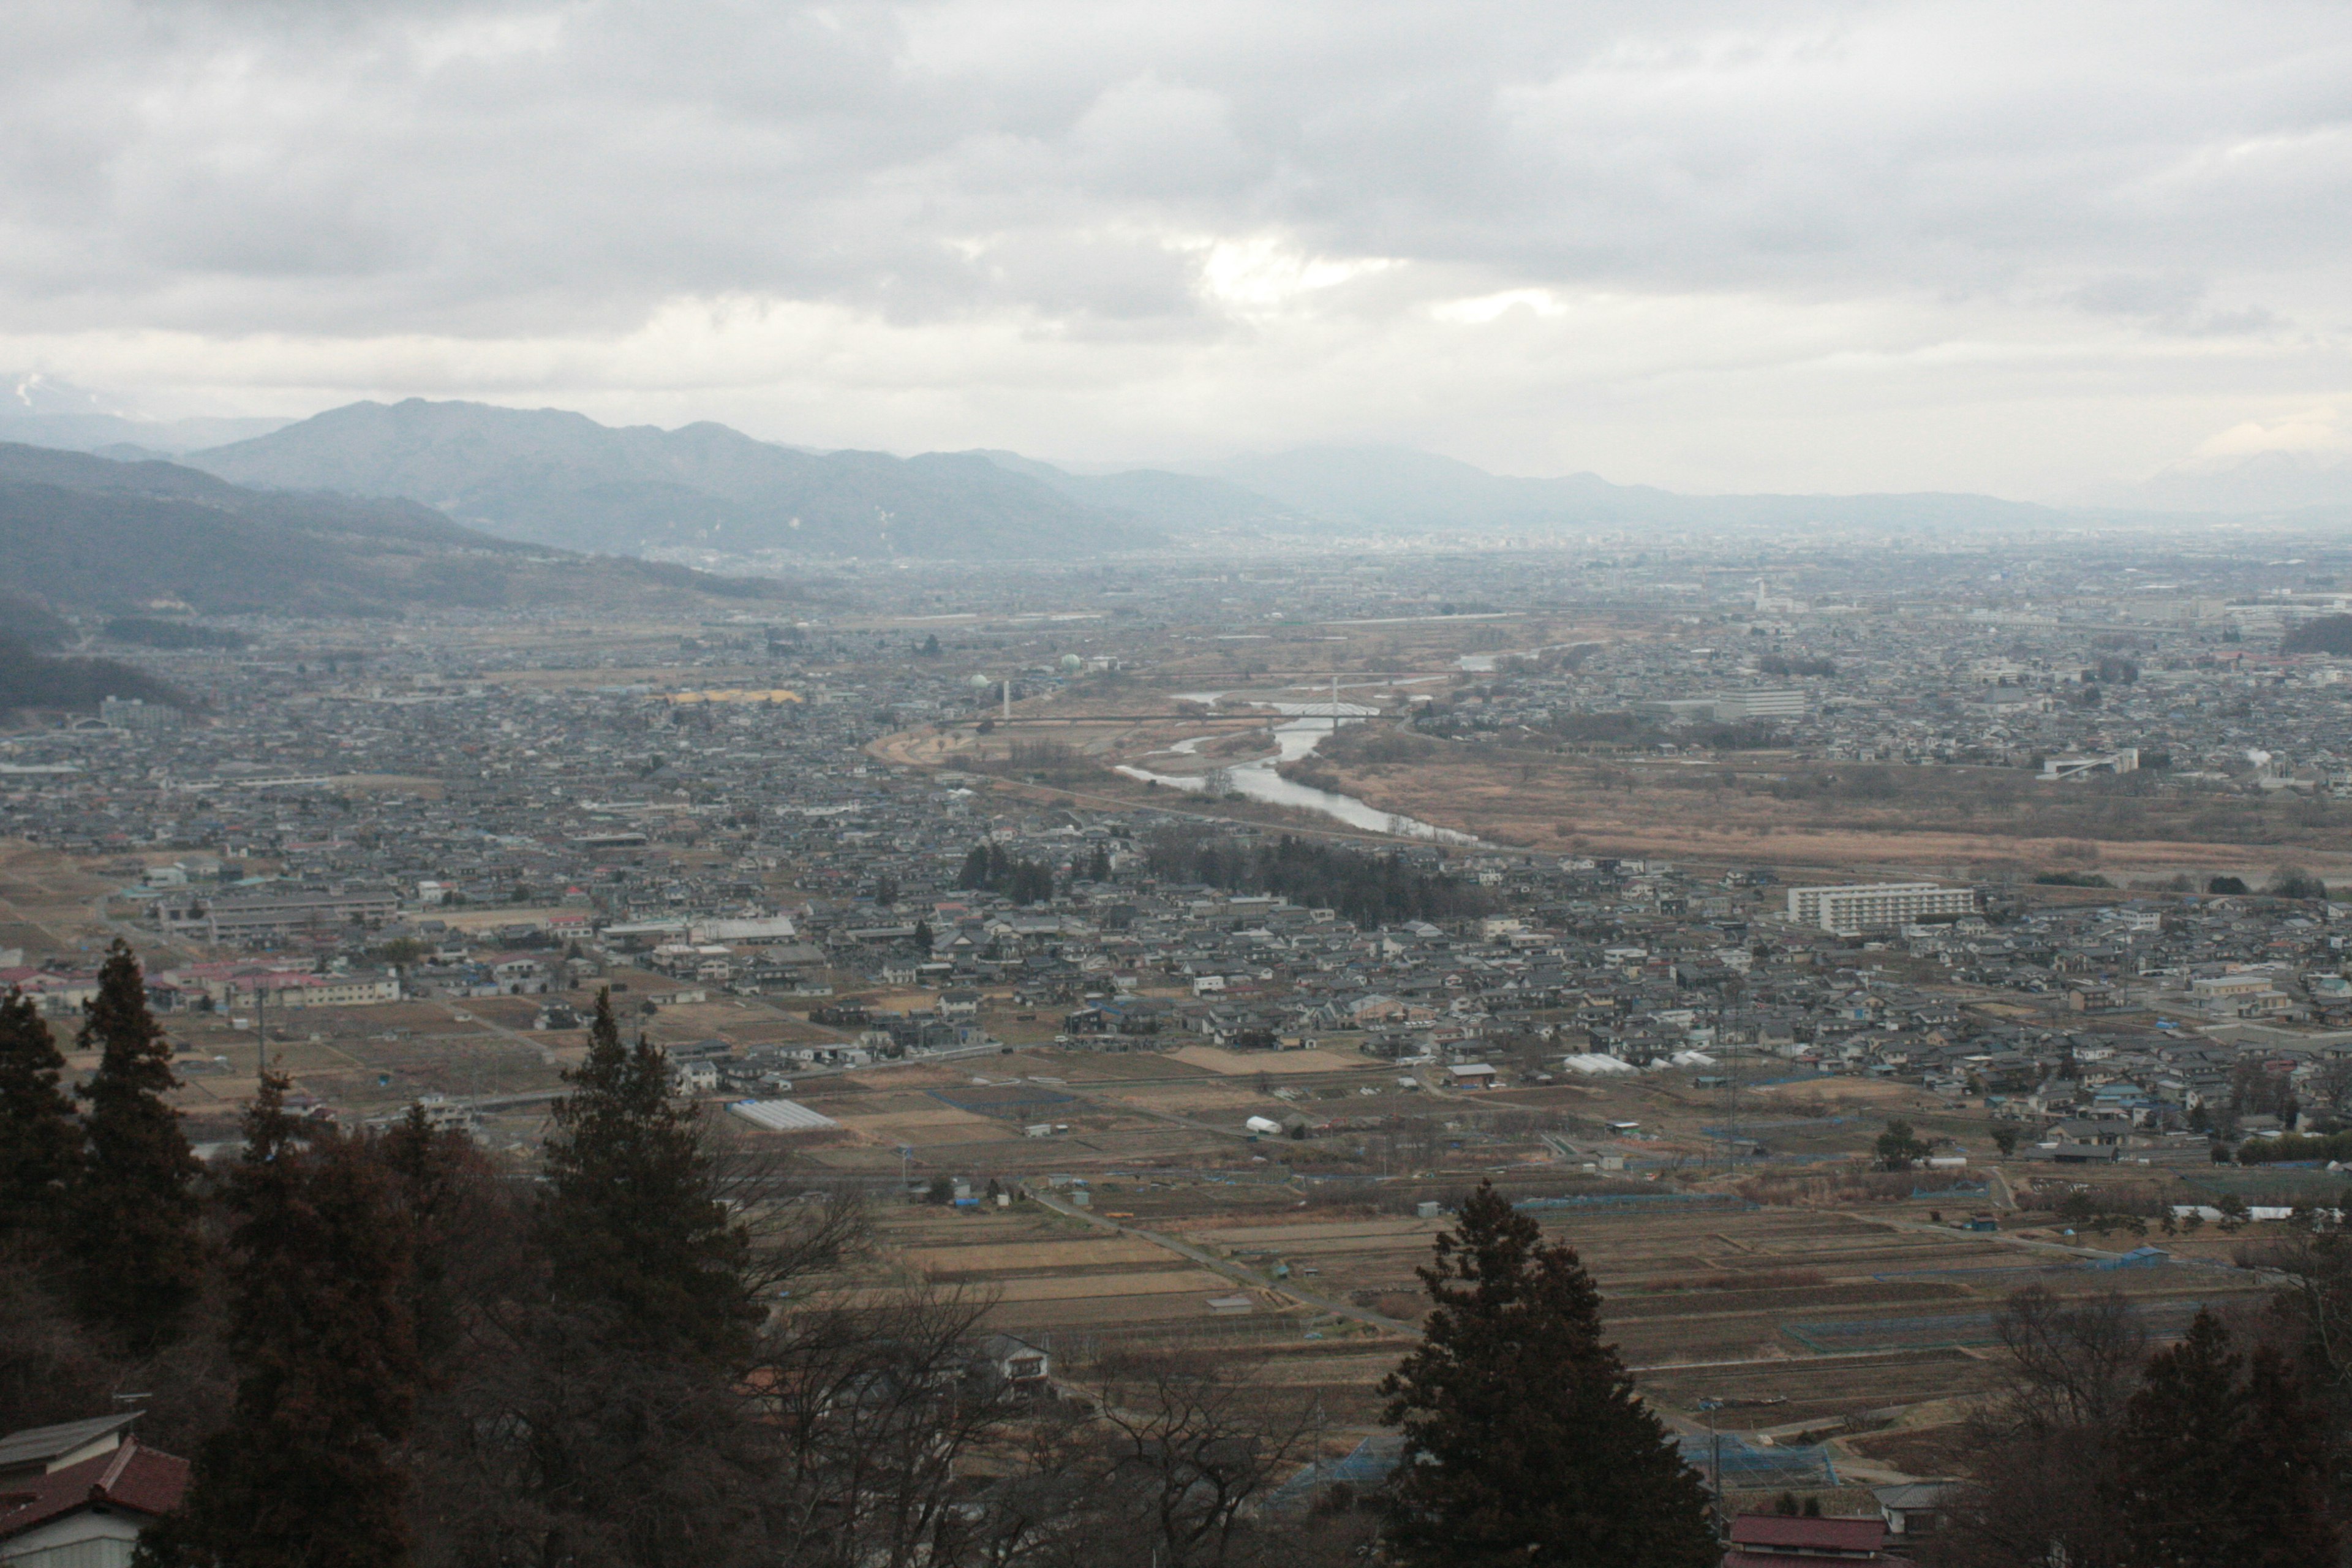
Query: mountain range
(560, 478)
(80, 531)
(39, 410)
(1395, 490)
(557, 478)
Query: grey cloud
(496, 171)
(472, 168)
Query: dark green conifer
(136, 1251)
(1525, 1443)
(308, 1473)
(40, 1141)
(2212, 1469)
(632, 1221)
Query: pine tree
(134, 1245)
(2282, 1468)
(2175, 1455)
(437, 1175)
(307, 1473)
(40, 1141)
(1525, 1443)
(632, 1221)
(2211, 1470)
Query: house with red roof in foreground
(78, 1495)
(1781, 1540)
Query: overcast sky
(2028, 249)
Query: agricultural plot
(1810, 1314)
(1072, 1287)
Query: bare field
(1947, 821)
(1806, 1320)
(1239, 1064)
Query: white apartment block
(1788, 702)
(1860, 907)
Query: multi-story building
(1860, 907)
(1786, 702)
(272, 913)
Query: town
(1826, 949)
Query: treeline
(152, 631)
(2098, 1449)
(1369, 889)
(989, 869)
(2323, 634)
(381, 1351)
(30, 679)
(2293, 1148)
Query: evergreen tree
(924, 938)
(1525, 1443)
(307, 1473)
(974, 875)
(1899, 1148)
(435, 1174)
(632, 1221)
(40, 1143)
(136, 1251)
(2284, 1462)
(2209, 1471)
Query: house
(1912, 1508)
(1016, 1363)
(1778, 1541)
(80, 1494)
(1472, 1075)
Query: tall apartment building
(1860, 907)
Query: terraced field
(1774, 1319)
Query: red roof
(133, 1479)
(1776, 1535)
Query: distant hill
(40, 411)
(2259, 483)
(1398, 490)
(561, 478)
(1187, 504)
(83, 532)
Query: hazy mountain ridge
(85, 532)
(39, 410)
(561, 478)
(1398, 490)
(2259, 482)
(1163, 497)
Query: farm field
(1814, 1321)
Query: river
(1309, 722)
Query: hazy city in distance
(999, 785)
